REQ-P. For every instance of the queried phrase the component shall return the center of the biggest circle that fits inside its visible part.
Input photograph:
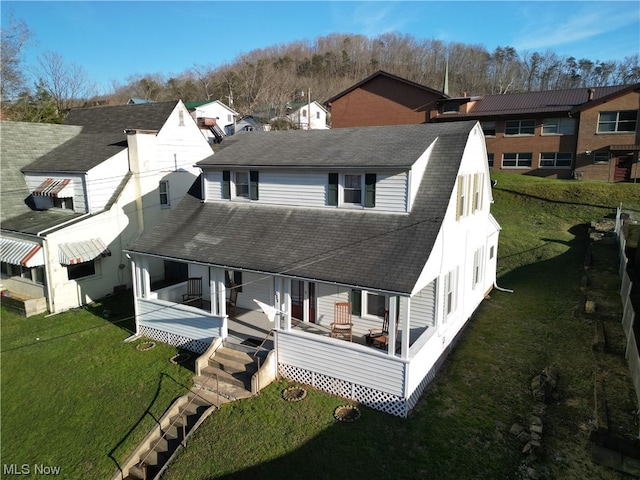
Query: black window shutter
(333, 189)
(356, 302)
(253, 193)
(370, 190)
(226, 184)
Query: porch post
(213, 290)
(134, 274)
(405, 311)
(145, 282)
(221, 291)
(287, 303)
(392, 325)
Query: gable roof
(193, 105)
(551, 101)
(102, 136)
(376, 251)
(381, 73)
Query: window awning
(625, 148)
(21, 252)
(80, 252)
(60, 188)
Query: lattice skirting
(369, 397)
(191, 344)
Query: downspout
(47, 276)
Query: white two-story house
(393, 221)
(82, 191)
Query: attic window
(181, 118)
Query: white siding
(180, 320)
(423, 307)
(303, 189)
(104, 179)
(391, 192)
(342, 360)
(212, 186)
(255, 286)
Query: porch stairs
(226, 377)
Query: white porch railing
(180, 325)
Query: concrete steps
(161, 444)
(228, 373)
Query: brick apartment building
(583, 133)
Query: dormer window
(240, 184)
(352, 189)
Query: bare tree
(68, 83)
(13, 39)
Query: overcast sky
(115, 40)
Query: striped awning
(80, 252)
(60, 188)
(21, 252)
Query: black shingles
(366, 249)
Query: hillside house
(389, 225)
(307, 115)
(215, 119)
(82, 191)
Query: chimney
(445, 83)
(591, 91)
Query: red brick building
(584, 133)
(383, 99)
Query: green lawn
(79, 397)
(75, 396)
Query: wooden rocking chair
(194, 291)
(342, 327)
(233, 299)
(381, 335)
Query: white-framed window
(304, 112)
(163, 189)
(556, 159)
(32, 274)
(519, 127)
(463, 192)
(478, 184)
(516, 160)
(374, 304)
(489, 129)
(559, 126)
(450, 292)
(352, 189)
(180, 118)
(81, 270)
(229, 117)
(478, 267)
(241, 184)
(624, 121)
(66, 203)
(318, 115)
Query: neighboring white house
(393, 220)
(298, 114)
(81, 192)
(213, 113)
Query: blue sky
(115, 40)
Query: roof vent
(591, 91)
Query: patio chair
(194, 291)
(380, 336)
(233, 299)
(342, 327)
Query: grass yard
(74, 395)
(79, 397)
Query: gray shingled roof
(103, 135)
(377, 251)
(376, 148)
(21, 144)
(551, 101)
